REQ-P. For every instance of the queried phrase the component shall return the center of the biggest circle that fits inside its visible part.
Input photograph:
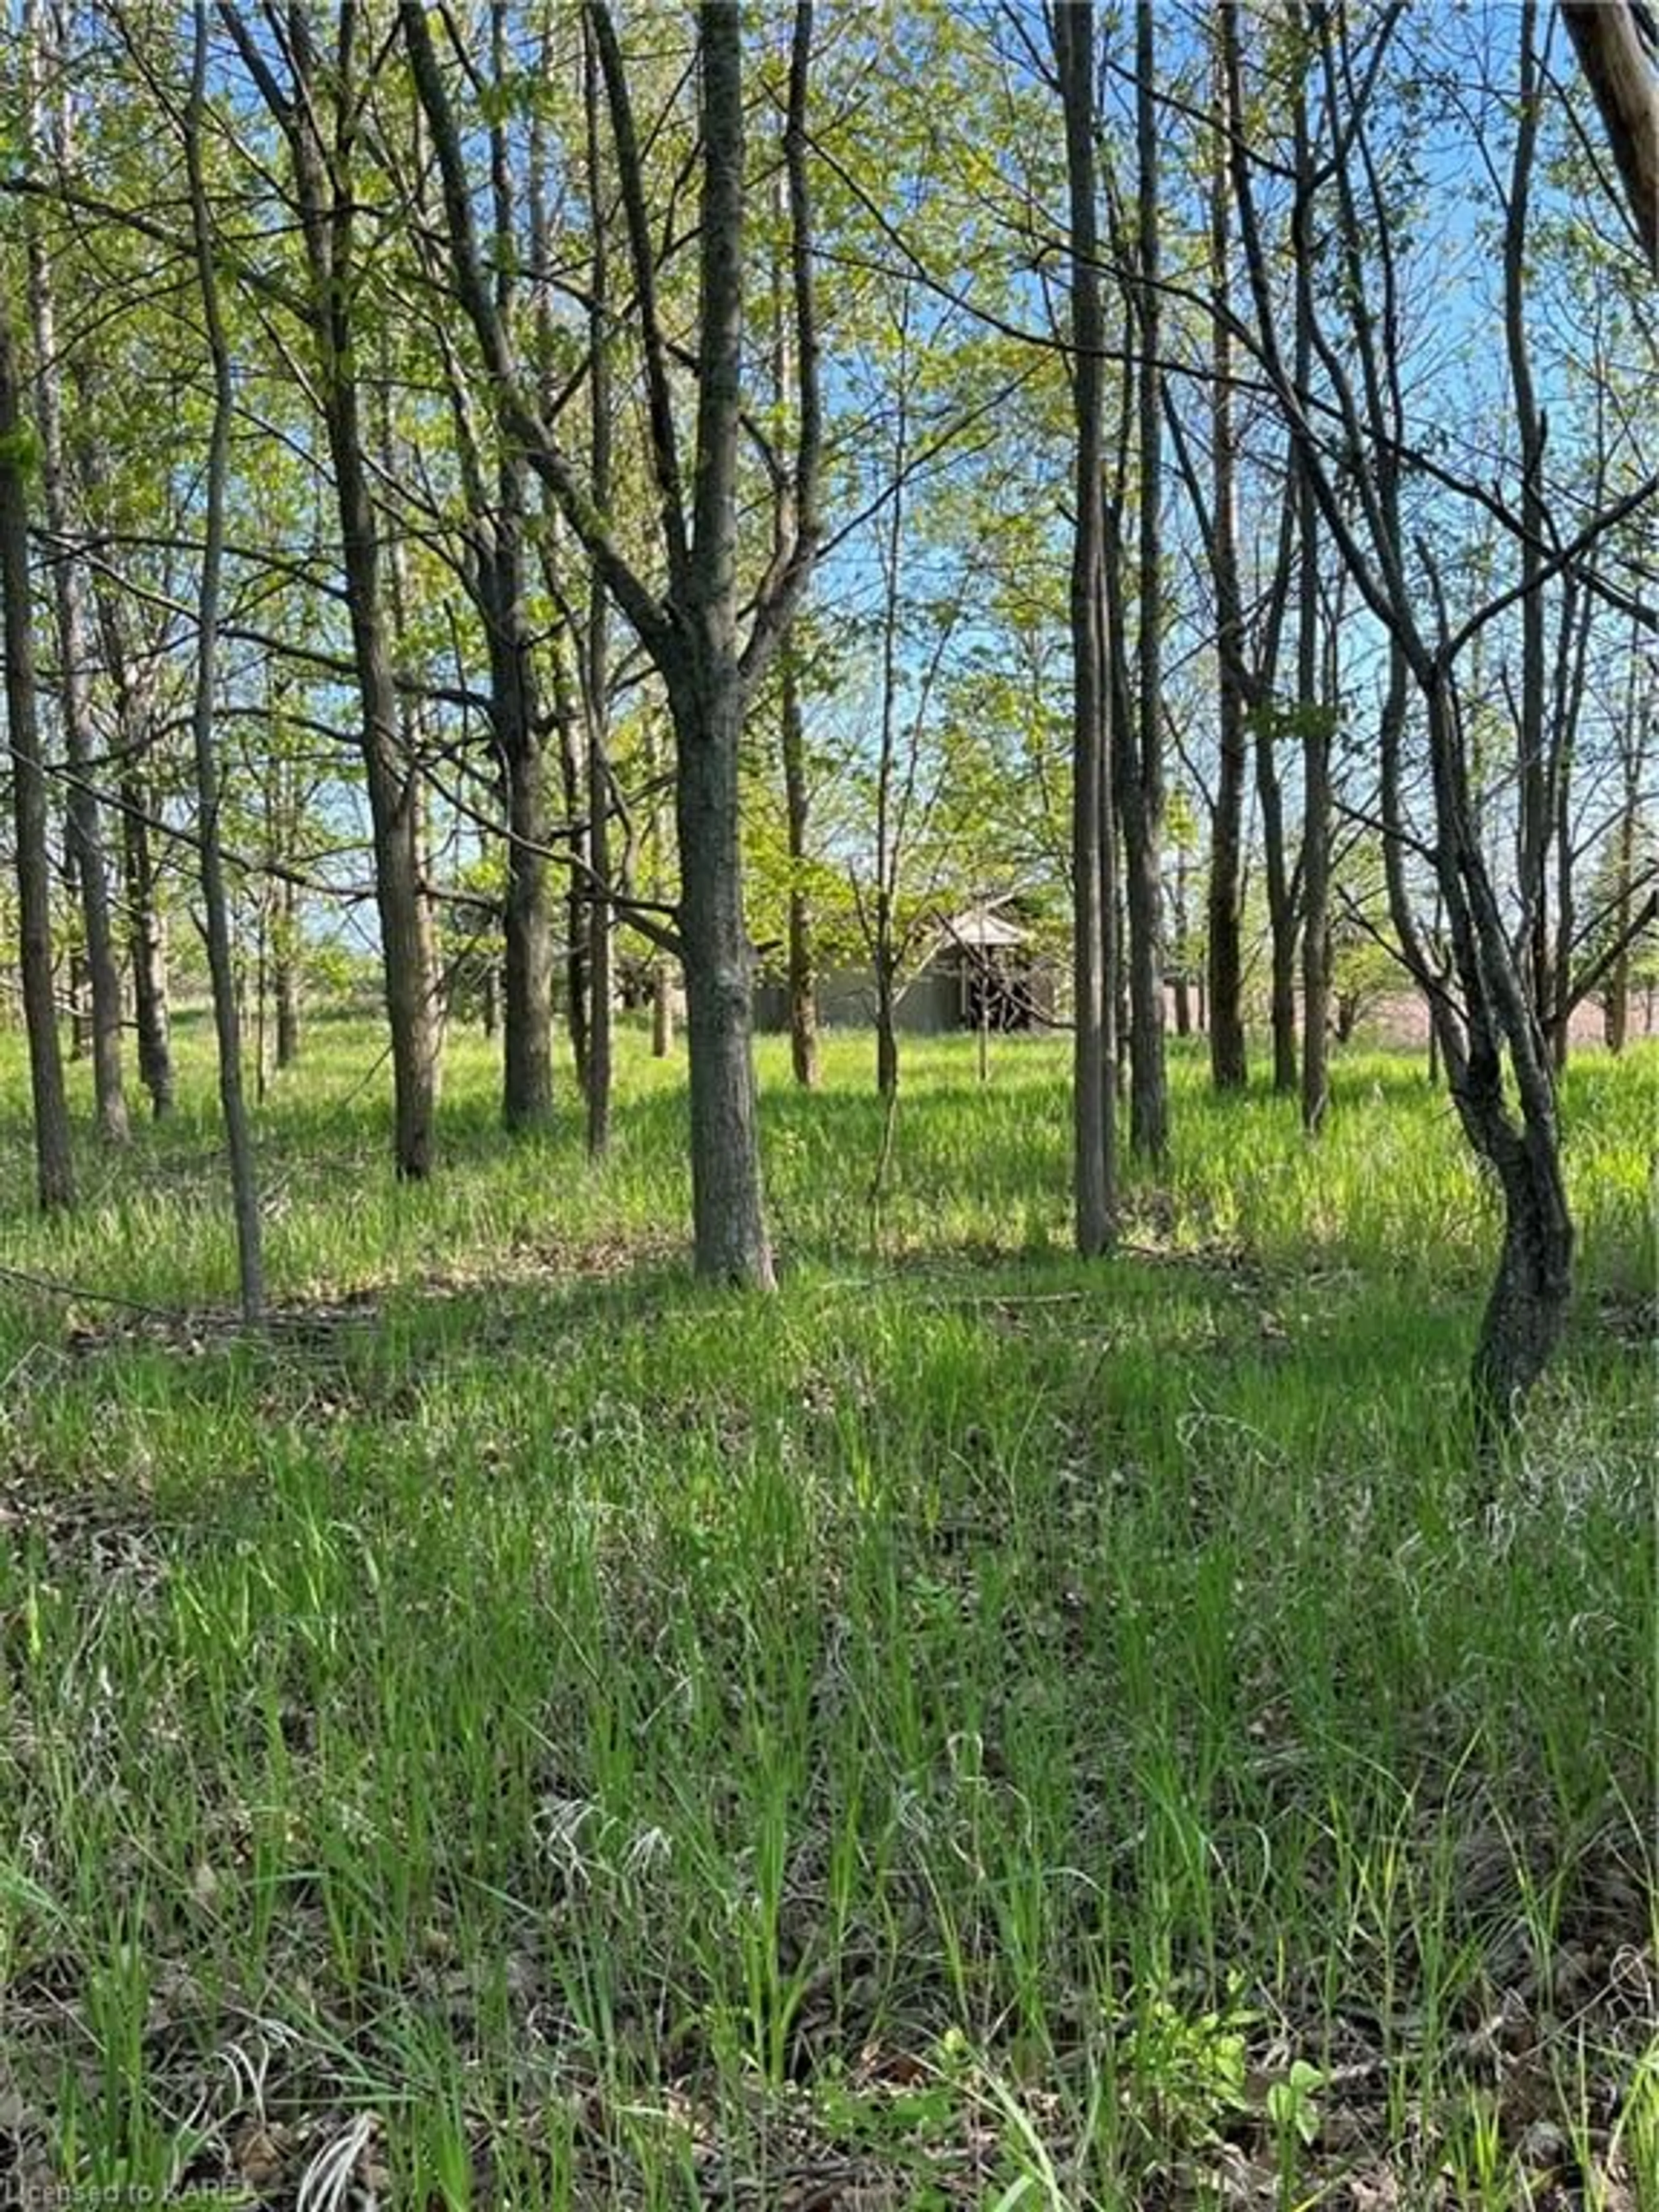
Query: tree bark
(54, 1163)
(1140, 770)
(1182, 919)
(1228, 1058)
(85, 831)
(143, 917)
(596, 680)
(244, 1195)
(1316, 724)
(1622, 75)
(527, 981)
(1093, 1100)
(802, 958)
(147, 943)
(286, 962)
(792, 735)
(527, 949)
(730, 1243)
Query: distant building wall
(934, 1002)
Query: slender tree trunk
(889, 808)
(1316, 727)
(408, 953)
(886, 963)
(1228, 1064)
(1535, 809)
(147, 943)
(143, 917)
(566, 719)
(54, 1165)
(792, 736)
(402, 871)
(1093, 1103)
(1183, 990)
(596, 683)
(75, 994)
(561, 646)
(662, 967)
(1281, 908)
(729, 1226)
(1616, 991)
(227, 1026)
(279, 903)
(85, 838)
(1140, 793)
(1526, 1312)
(527, 950)
(286, 949)
(526, 980)
(803, 966)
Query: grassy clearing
(973, 1731)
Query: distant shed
(976, 969)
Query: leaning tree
(1350, 417)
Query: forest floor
(974, 1731)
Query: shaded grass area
(974, 1729)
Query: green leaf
(20, 449)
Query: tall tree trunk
(728, 1222)
(1536, 811)
(890, 812)
(1228, 1063)
(563, 645)
(1093, 1100)
(423, 984)
(526, 1016)
(54, 1165)
(1140, 793)
(792, 735)
(226, 1020)
(1315, 725)
(596, 684)
(691, 635)
(85, 838)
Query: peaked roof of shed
(980, 927)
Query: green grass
(975, 1729)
